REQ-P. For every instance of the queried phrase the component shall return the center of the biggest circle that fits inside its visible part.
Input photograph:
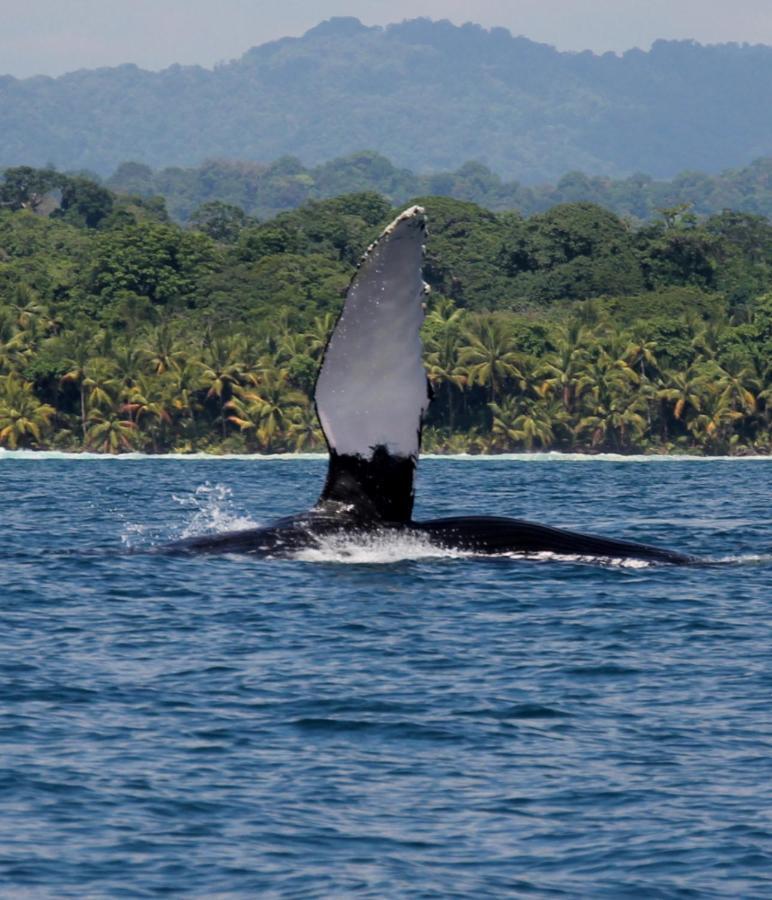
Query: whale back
(372, 389)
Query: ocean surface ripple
(382, 720)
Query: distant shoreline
(547, 456)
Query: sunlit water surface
(380, 720)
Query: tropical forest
(571, 329)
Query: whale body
(371, 395)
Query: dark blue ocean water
(377, 721)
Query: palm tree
(443, 316)
(443, 369)
(762, 374)
(183, 385)
(490, 355)
(711, 427)
(23, 418)
(760, 362)
(457, 443)
(319, 333)
(303, 429)
(603, 376)
(149, 401)
(275, 403)
(611, 402)
(27, 306)
(267, 410)
(100, 383)
(618, 424)
(640, 355)
(707, 339)
(128, 365)
(561, 368)
(291, 346)
(521, 424)
(739, 384)
(12, 344)
(223, 369)
(163, 351)
(504, 428)
(75, 364)
(686, 390)
(109, 432)
(26, 323)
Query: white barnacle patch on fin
(371, 390)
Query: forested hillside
(263, 191)
(569, 329)
(429, 95)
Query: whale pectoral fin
(494, 534)
(372, 390)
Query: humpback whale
(371, 395)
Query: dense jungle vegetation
(266, 190)
(569, 329)
(429, 95)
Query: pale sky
(55, 36)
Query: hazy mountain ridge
(429, 95)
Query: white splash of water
(610, 562)
(212, 511)
(134, 535)
(744, 559)
(375, 548)
(381, 548)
